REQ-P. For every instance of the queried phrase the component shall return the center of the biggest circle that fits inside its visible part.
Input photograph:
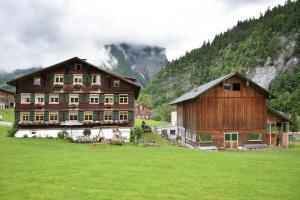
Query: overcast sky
(42, 32)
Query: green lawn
(8, 115)
(55, 169)
(151, 123)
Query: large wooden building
(74, 94)
(142, 111)
(228, 112)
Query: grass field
(151, 123)
(8, 115)
(55, 169)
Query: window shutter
(61, 98)
(61, 115)
(70, 79)
(32, 98)
(84, 79)
(95, 118)
(47, 98)
(89, 79)
(66, 99)
(130, 115)
(116, 115)
(17, 117)
(31, 117)
(80, 116)
(101, 98)
(81, 98)
(116, 99)
(66, 115)
(87, 98)
(18, 98)
(46, 116)
(101, 115)
(50, 78)
(130, 99)
(66, 79)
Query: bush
(25, 136)
(70, 140)
(86, 132)
(156, 117)
(12, 131)
(137, 133)
(62, 134)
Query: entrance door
(231, 140)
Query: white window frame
(123, 97)
(40, 115)
(122, 115)
(60, 78)
(98, 79)
(260, 136)
(53, 114)
(93, 97)
(53, 96)
(110, 115)
(22, 114)
(111, 99)
(89, 114)
(37, 81)
(23, 96)
(73, 96)
(77, 77)
(116, 83)
(38, 97)
(73, 113)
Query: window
(254, 136)
(77, 67)
(39, 98)
(205, 137)
(37, 81)
(116, 83)
(39, 116)
(123, 115)
(74, 99)
(232, 86)
(54, 99)
(94, 98)
(230, 136)
(88, 116)
(24, 116)
(73, 116)
(77, 79)
(107, 115)
(59, 79)
(53, 116)
(191, 136)
(109, 99)
(123, 99)
(96, 79)
(25, 98)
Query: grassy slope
(55, 169)
(151, 123)
(8, 115)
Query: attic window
(232, 86)
(37, 81)
(227, 86)
(77, 67)
(116, 83)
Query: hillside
(260, 48)
(139, 61)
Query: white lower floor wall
(107, 133)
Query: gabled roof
(203, 88)
(4, 90)
(279, 114)
(13, 82)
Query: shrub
(25, 136)
(62, 134)
(70, 140)
(156, 117)
(12, 131)
(137, 133)
(86, 132)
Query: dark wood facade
(142, 111)
(89, 95)
(7, 99)
(218, 111)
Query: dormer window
(96, 79)
(77, 79)
(77, 67)
(116, 83)
(37, 81)
(59, 79)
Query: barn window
(205, 137)
(254, 136)
(236, 86)
(227, 86)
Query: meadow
(7, 114)
(33, 168)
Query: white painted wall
(174, 118)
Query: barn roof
(7, 91)
(205, 87)
(279, 114)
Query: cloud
(37, 32)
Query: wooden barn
(142, 111)
(228, 112)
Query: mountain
(261, 49)
(139, 61)
(5, 76)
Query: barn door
(231, 140)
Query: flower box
(57, 85)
